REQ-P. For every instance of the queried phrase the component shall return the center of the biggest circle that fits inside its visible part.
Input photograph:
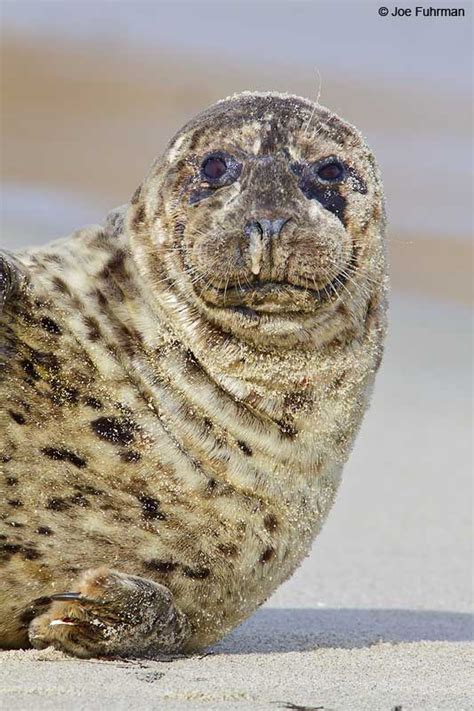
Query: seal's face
(263, 213)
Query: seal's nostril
(267, 228)
(254, 229)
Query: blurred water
(32, 214)
(336, 36)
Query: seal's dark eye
(214, 167)
(331, 172)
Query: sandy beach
(378, 616)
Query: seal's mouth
(272, 297)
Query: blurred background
(92, 91)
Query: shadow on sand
(297, 630)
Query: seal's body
(181, 387)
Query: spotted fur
(158, 420)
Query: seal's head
(265, 215)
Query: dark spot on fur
(93, 328)
(101, 298)
(16, 524)
(11, 481)
(89, 490)
(191, 360)
(116, 266)
(270, 522)
(245, 448)
(5, 458)
(161, 566)
(130, 456)
(7, 550)
(15, 503)
(139, 217)
(25, 316)
(196, 573)
(51, 326)
(129, 339)
(150, 508)
(93, 402)
(267, 555)
(79, 500)
(29, 369)
(64, 395)
(126, 409)
(44, 531)
(64, 455)
(343, 310)
(114, 429)
(208, 425)
(17, 417)
(48, 361)
(58, 505)
(219, 488)
(61, 285)
(287, 429)
(30, 553)
(136, 195)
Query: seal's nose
(267, 228)
(260, 234)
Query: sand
(378, 616)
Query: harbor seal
(181, 386)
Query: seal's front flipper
(12, 279)
(111, 614)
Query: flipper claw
(74, 597)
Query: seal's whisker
(316, 103)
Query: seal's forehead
(265, 122)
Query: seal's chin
(269, 297)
